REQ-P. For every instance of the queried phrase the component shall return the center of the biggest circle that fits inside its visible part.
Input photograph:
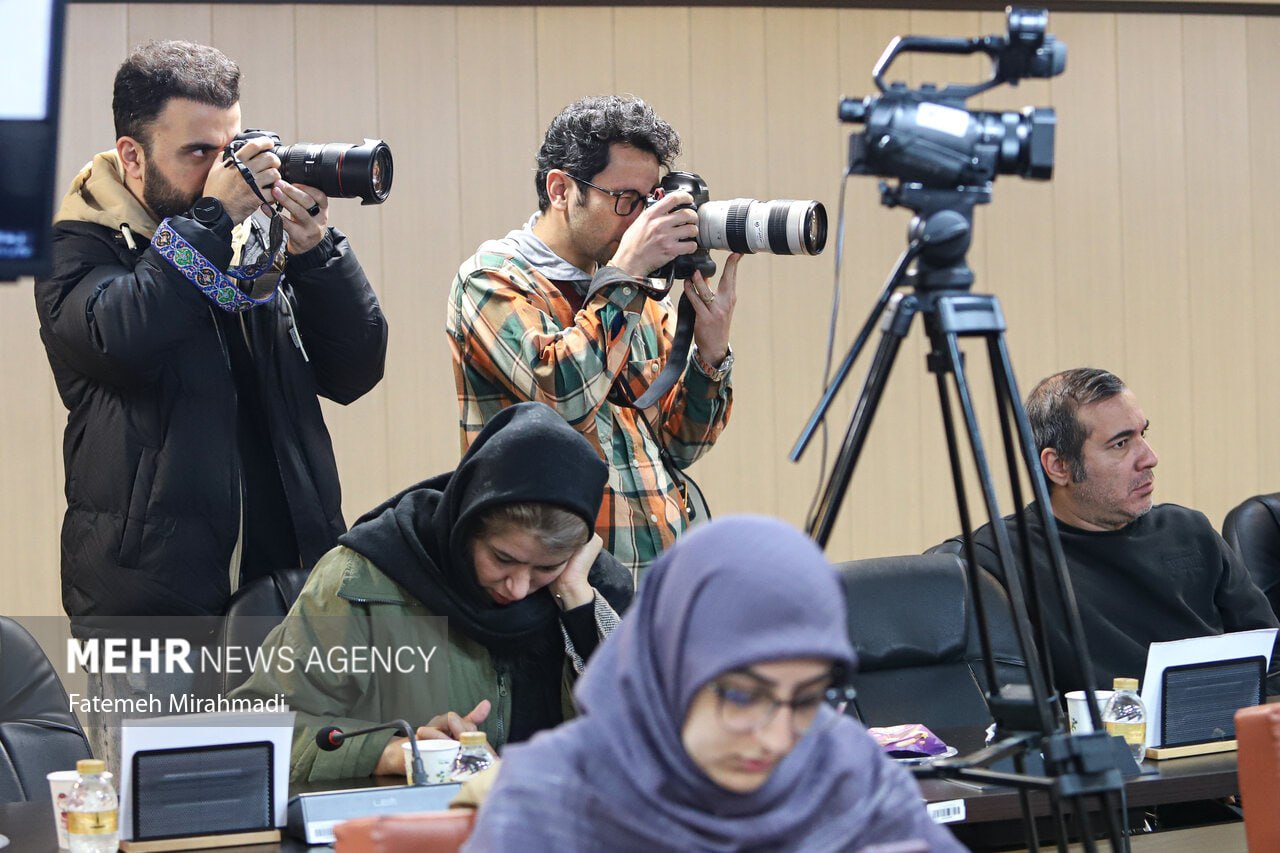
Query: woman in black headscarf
(493, 566)
(704, 724)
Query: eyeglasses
(624, 201)
(744, 710)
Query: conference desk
(30, 825)
(994, 813)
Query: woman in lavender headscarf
(704, 726)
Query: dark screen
(30, 65)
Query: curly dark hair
(579, 137)
(1052, 408)
(160, 70)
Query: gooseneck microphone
(331, 737)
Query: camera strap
(197, 269)
(691, 497)
(677, 359)
(251, 271)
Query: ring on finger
(314, 210)
(705, 295)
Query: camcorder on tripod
(945, 158)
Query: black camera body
(338, 169)
(781, 227)
(927, 137)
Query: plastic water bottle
(92, 810)
(1125, 715)
(472, 757)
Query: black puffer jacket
(152, 465)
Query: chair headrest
(906, 611)
(29, 685)
(1253, 523)
(271, 595)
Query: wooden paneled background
(1146, 254)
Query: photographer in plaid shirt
(555, 312)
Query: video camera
(926, 137)
(339, 169)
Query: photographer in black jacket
(196, 454)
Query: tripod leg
(1024, 802)
(947, 340)
(1008, 404)
(940, 368)
(1057, 558)
(864, 411)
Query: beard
(163, 197)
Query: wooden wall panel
(263, 42)
(587, 35)
(338, 102)
(728, 81)
(1224, 428)
(1087, 255)
(882, 513)
(1262, 83)
(497, 120)
(418, 53)
(190, 21)
(1147, 253)
(802, 86)
(1154, 230)
(652, 58)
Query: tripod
(1078, 768)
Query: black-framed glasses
(624, 201)
(746, 709)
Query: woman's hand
(571, 588)
(445, 726)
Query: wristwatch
(208, 211)
(719, 372)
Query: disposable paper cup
(1078, 710)
(437, 759)
(60, 784)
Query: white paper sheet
(1160, 656)
(188, 730)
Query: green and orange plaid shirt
(515, 337)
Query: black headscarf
(420, 538)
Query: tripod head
(940, 233)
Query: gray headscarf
(735, 592)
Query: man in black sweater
(1141, 573)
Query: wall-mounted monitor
(30, 91)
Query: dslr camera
(781, 227)
(339, 169)
(926, 137)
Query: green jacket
(348, 603)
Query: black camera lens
(340, 170)
(780, 227)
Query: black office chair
(1253, 530)
(253, 611)
(920, 658)
(38, 732)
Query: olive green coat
(348, 603)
